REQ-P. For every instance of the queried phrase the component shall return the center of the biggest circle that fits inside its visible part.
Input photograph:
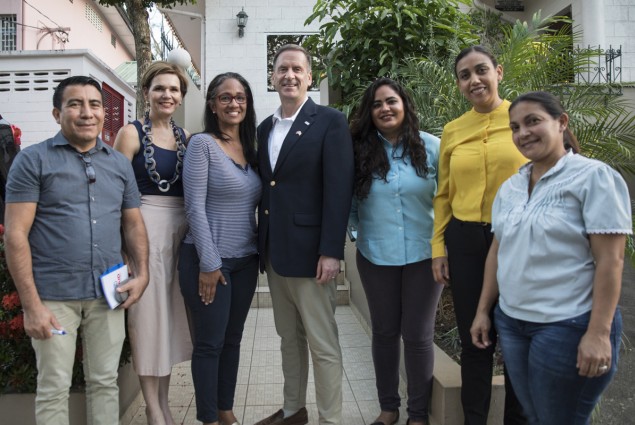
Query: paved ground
(259, 389)
(618, 403)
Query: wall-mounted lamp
(242, 22)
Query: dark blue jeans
(541, 363)
(217, 329)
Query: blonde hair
(162, 67)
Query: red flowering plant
(17, 361)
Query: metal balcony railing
(603, 69)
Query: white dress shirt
(279, 131)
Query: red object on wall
(17, 134)
(113, 121)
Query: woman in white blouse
(560, 228)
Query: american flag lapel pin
(306, 122)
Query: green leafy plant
(534, 58)
(361, 40)
(17, 360)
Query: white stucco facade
(56, 39)
(602, 23)
(247, 55)
(28, 79)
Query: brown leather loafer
(301, 417)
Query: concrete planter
(445, 406)
(20, 408)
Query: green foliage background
(361, 40)
(416, 41)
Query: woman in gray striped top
(218, 263)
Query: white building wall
(225, 51)
(601, 22)
(28, 79)
(190, 114)
(620, 30)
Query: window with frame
(274, 42)
(8, 33)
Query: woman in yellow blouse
(477, 156)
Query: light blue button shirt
(545, 264)
(394, 223)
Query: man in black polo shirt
(67, 199)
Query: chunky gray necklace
(151, 163)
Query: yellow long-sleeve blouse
(477, 155)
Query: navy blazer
(306, 199)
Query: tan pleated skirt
(157, 324)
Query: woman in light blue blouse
(395, 182)
(218, 263)
(560, 228)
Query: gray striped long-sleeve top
(220, 203)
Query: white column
(592, 23)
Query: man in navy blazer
(305, 157)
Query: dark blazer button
(273, 183)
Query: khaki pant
(304, 312)
(102, 334)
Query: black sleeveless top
(166, 164)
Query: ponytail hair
(551, 104)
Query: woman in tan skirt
(157, 324)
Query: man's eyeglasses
(226, 99)
(90, 170)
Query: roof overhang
(188, 24)
(118, 20)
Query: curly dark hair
(371, 161)
(247, 127)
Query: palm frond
(434, 92)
